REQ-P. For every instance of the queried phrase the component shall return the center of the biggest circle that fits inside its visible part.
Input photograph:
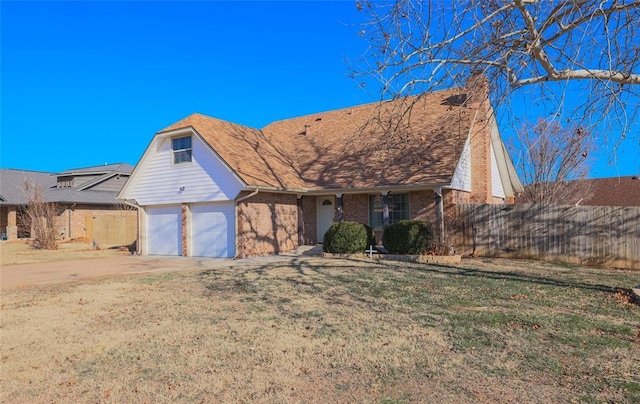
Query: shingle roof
(258, 160)
(12, 190)
(348, 147)
(107, 168)
(616, 191)
(12, 184)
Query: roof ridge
(366, 105)
(28, 171)
(98, 166)
(208, 117)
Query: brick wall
(454, 197)
(422, 205)
(258, 238)
(480, 139)
(267, 224)
(356, 208)
(310, 217)
(480, 164)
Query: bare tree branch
(40, 217)
(417, 46)
(549, 156)
(573, 59)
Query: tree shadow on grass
(355, 280)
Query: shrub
(345, 238)
(371, 236)
(408, 237)
(40, 217)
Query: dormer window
(181, 147)
(65, 182)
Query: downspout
(238, 200)
(137, 208)
(440, 213)
(254, 193)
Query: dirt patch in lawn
(15, 253)
(318, 330)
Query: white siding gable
(157, 180)
(502, 167)
(496, 180)
(462, 175)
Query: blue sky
(88, 83)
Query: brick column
(300, 220)
(12, 223)
(186, 233)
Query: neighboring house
(208, 187)
(84, 197)
(614, 191)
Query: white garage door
(164, 230)
(213, 230)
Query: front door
(325, 216)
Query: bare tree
(549, 157)
(416, 46)
(40, 217)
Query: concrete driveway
(15, 276)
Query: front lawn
(323, 330)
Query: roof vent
(307, 130)
(318, 118)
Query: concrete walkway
(16, 276)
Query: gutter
(254, 193)
(377, 189)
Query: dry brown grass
(319, 330)
(15, 253)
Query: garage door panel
(164, 230)
(213, 230)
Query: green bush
(371, 236)
(345, 238)
(408, 237)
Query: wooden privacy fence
(599, 235)
(112, 229)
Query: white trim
(510, 182)
(461, 179)
(173, 151)
(497, 187)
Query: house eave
(342, 191)
(378, 189)
(281, 190)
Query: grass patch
(16, 253)
(330, 330)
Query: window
(398, 209)
(65, 182)
(181, 147)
